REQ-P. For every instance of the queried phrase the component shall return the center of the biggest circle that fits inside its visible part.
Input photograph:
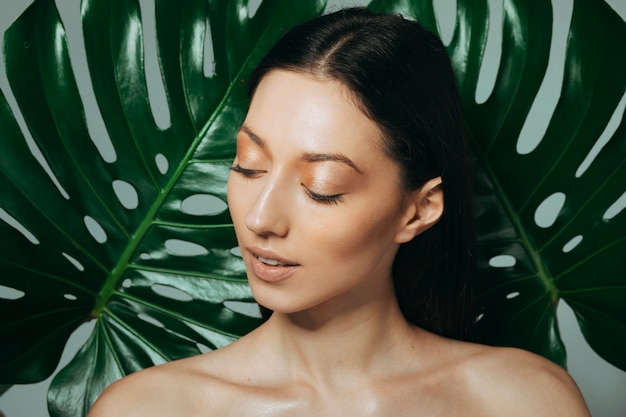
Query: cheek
(353, 234)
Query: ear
(423, 208)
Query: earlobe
(422, 210)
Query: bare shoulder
(515, 382)
(117, 398)
(182, 387)
(211, 384)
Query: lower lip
(271, 273)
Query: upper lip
(268, 254)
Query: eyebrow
(308, 157)
(254, 137)
(334, 157)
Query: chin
(279, 303)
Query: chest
(377, 400)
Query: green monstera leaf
(560, 198)
(137, 235)
(550, 209)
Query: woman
(350, 199)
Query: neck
(328, 347)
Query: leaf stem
(109, 288)
(116, 273)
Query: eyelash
(319, 198)
(248, 173)
(324, 199)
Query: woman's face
(316, 203)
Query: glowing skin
(319, 215)
(314, 195)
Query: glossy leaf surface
(546, 228)
(139, 236)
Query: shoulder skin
(517, 383)
(165, 390)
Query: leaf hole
(43, 162)
(549, 93)
(615, 208)
(154, 79)
(145, 256)
(162, 163)
(74, 262)
(512, 295)
(203, 205)
(253, 7)
(95, 230)
(98, 133)
(502, 261)
(127, 283)
(445, 13)
(150, 319)
(8, 293)
(572, 243)
(208, 56)
(171, 292)
(70, 297)
(126, 194)
(548, 210)
(604, 138)
(492, 55)
(250, 309)
(236, 251)
(179, 247)
(203, 348)
(11, 221)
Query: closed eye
(248, 173)
(324, 199)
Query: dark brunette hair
(401, 78)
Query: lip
(270, 273)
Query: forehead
(312, 114)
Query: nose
(268, 215)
